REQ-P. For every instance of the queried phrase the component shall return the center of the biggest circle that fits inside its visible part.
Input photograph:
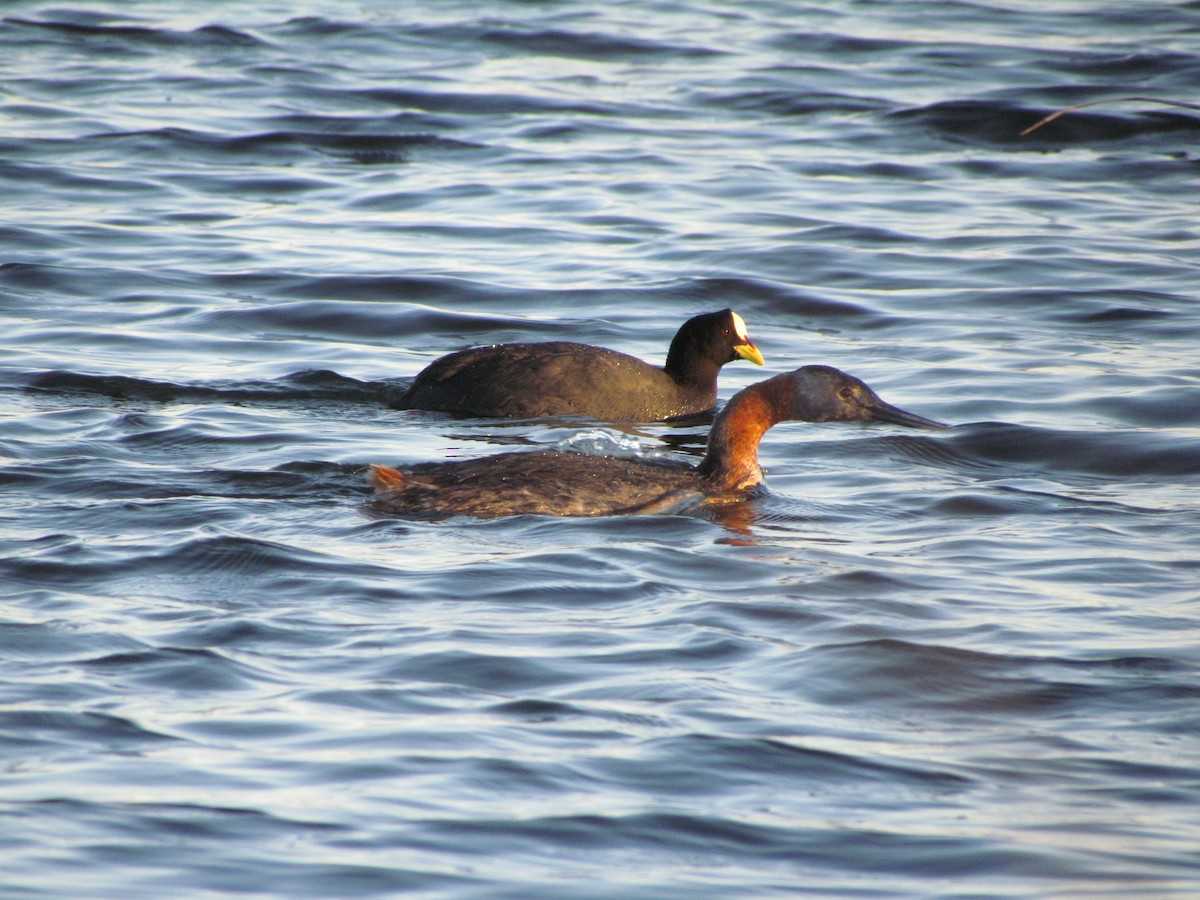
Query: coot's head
(706, 342)
(826, 394)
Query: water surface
(927, 664)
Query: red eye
(724, 332)
(846, 394)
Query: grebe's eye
(846, 393)
(724, 332)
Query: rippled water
(960, 664)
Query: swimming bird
(559, 483)
(558, 378)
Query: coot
(559, 378)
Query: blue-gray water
(927, 665)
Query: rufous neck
(731, 463)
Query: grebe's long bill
(557, 483)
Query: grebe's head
(826, 394)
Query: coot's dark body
(559, 378)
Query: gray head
(809, 394)
(826, 394)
